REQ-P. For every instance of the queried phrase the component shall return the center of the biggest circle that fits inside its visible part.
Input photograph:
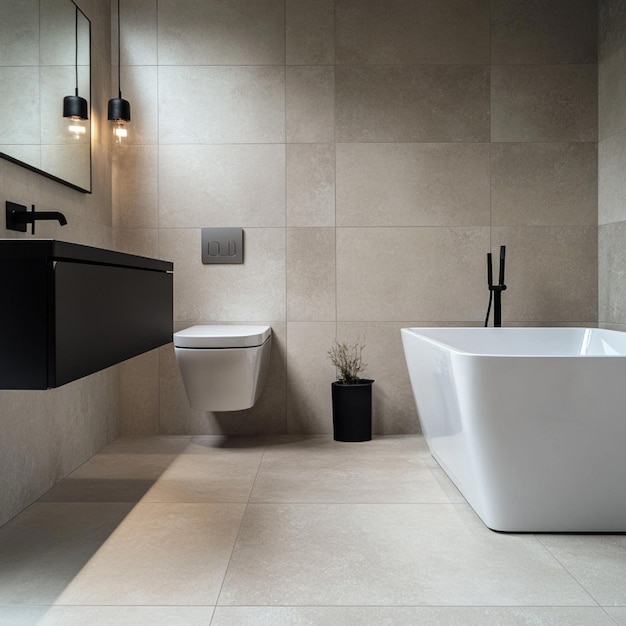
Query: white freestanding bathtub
(529, 423)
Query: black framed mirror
(45, 52)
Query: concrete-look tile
(310, 32)
(446, 103)
(19, 33)
(544, 184)
(597, 562)
(411, 554)
(544, 103)
(612, 94)
(144, 242)
(204, 478)
(139, 27)
(137, 168)
(14, 83)
(183, 549)
(48, 544)
(310, 274)
(210, 104)
(310, 184)
(612, 184)
(401, 616)
(139, 394)
(343, 479)
(221, 186)
(310, 104)
(618, 614)
(141, 90)
(111, 478)
(434, 274)
(413, 184)
(560, 31)
(611, 270)
(551, 273)
(247, 292)
(107, 615)
(611, 28)
(267, 416)
(393, 403)
(412, 33)
(394, 446)
(143, 444)
(239, 32)
(309, 375)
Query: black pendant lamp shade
(119, 109)
(75, 107)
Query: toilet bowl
(224, 368)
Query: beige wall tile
(144, 242)
(393, 405)
(243, 293)
(543, 103)
(211, 32)
(234, 104)
(310, 104)
(612, 183)
(19, 33)
(14, 83)
(611, 269)
(139, 32)
(230, 185)
(139, 394)
(139, 84)
(611, 28)
(393, 274)
(310, 32)
(311, 274)
(560, 31)
(446, 103)
(138, 191)
(544, 184)
(309, 375)
(412, 184)
(551, 273)
(612, 94)
(412, 33)
(310, 184)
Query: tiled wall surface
(47, 434)
(373, 152)
(612, 164)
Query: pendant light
(119, 109)
(74, 107)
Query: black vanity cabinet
(70, 310)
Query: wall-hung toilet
(224, 368)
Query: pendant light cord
(76, 46)
(119, 51)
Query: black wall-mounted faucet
(17, 217)
(495, 289)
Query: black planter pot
(352, 411)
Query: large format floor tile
(341, 554)
(48, 544)
(288, 530)
(403, 616)
(163, 554)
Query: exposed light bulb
(119, 131)
(77, 127)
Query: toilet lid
(214, 336)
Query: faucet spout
(33, 216)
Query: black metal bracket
(13, 223)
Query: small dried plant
(348, 361)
